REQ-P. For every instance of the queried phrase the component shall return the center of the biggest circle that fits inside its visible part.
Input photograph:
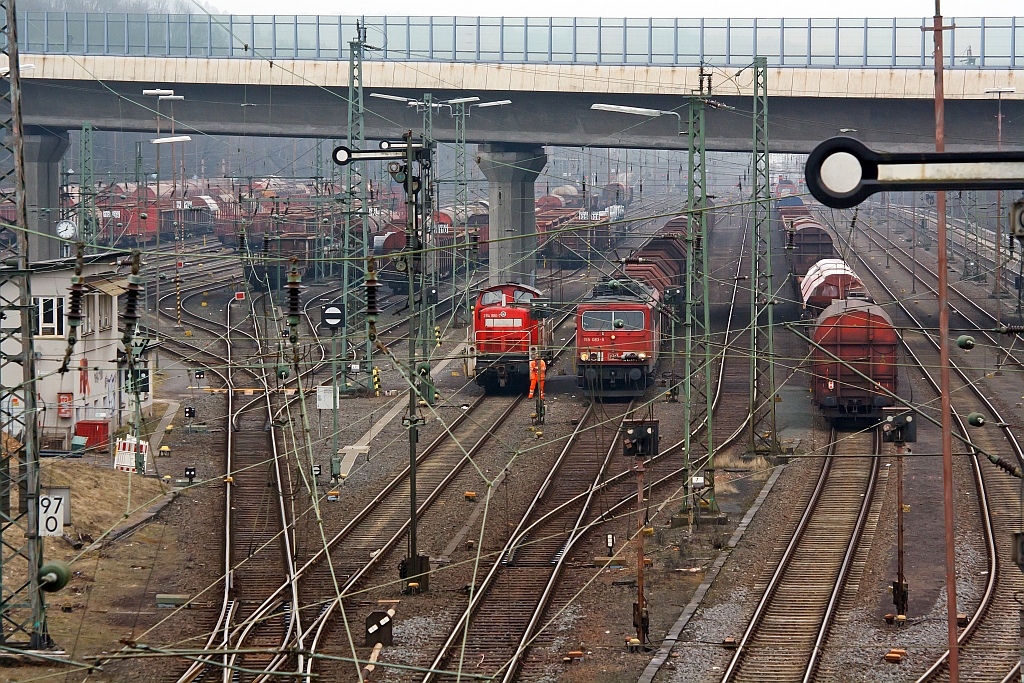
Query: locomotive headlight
(643, 356)
(584, 356)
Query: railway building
(89, 399)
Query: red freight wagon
(861, 336)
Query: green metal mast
(88, 229)
(427, 198)
(698, 441)
(320, 269)
(22, 608)
(352, 278)
(972, 238)
(763, 435)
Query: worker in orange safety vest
(538, 368)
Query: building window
(50, 316)
(89, 320)
(105, 309)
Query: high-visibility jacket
(538, 369)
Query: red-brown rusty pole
(641, 632)
(947, 417)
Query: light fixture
(396, 98)
(641, 111)
(1000, 91)
(847, 130)
(497, 103)
(157, 93)
(176, 138)
(462, 100)
(172, 98)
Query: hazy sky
(619, 8)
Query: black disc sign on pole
(333, 315)
(842, 172)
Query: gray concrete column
(510, 170)
(43, 152)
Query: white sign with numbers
(51, 516)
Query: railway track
(989, 643)
(258, 628)
(505, 611)
(257, 551)
(784, 638)
(513, 604)
(984, 329)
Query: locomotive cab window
(490, 298)
(521, 296)
(610, 321)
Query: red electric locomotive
(618, 326)
(505, 335)
(617, 339)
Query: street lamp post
(158, 94)
(997, 291)
(175, 213)
(460, 109)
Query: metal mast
(87, 225)
(320, 269)
(22, 608)
(461, 203)
(762, 291)
(698, 444)
(972, 238)
(351, 279)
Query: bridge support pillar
(43, 152)
(510, 170)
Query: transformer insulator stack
(75, 306)
(131, 306)
(294, 301)
(790, 237)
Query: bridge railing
(974, 43)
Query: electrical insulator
(376, 381)
(437, 335)
(131, 306)
(790, 239)
(75, 306)
(241, 241)
(294, 302)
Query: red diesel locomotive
(506, 334)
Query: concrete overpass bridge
(288, 76)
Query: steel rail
(988, 524)
(517, 538)
(520, 532)
(987, 333)
(784, 565)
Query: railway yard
(400, 407)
